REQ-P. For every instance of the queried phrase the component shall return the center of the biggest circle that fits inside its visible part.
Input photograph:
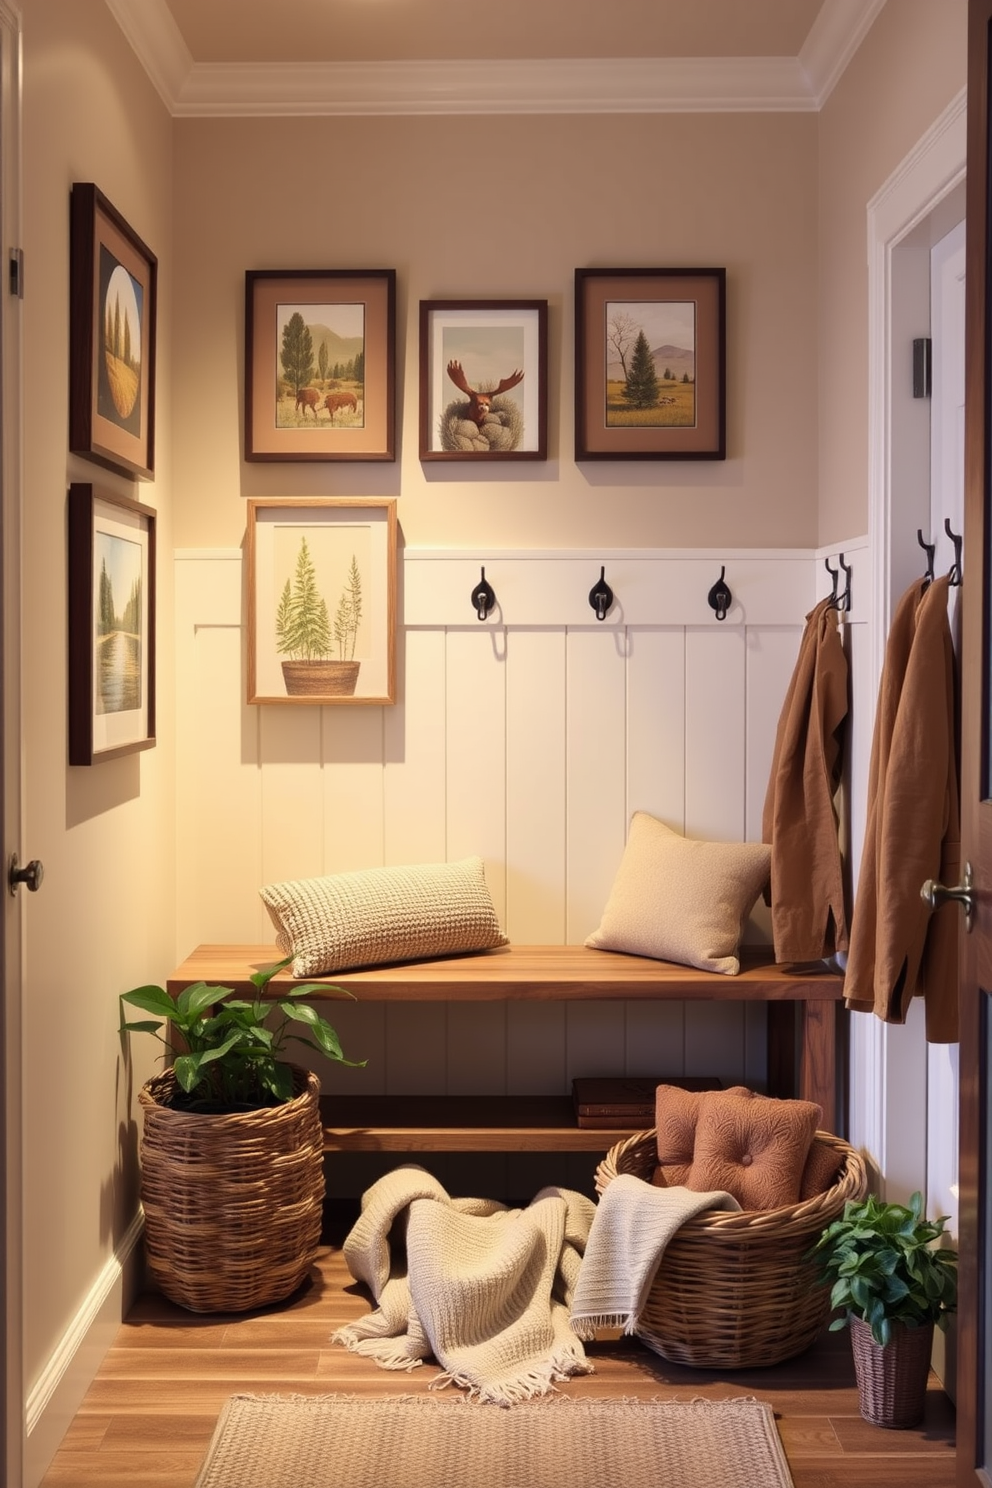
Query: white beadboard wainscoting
(528, 739)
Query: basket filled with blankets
(716, 1213)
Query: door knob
(31, 874)
(935, 894)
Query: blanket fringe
(388, 1353)
(585, 1327)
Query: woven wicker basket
(734, 1290)
(233, 1203)
(892, 1380)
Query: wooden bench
(802, 1038)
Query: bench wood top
(520, 971)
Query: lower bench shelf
(453, 1123)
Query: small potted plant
(894, 1282)
(232, 1175)
(307, 639)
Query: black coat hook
(839, 599)
(483, 597)
(957, 539)
(720, 597)
(929, 549)
(601, 596)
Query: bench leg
(818, 1058)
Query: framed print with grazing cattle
(111, 613)
(112, 294)
(650, 364)
(319, 364)
(483, 380)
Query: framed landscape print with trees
(650, 351)
(319, 364)
(111, 611)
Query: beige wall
(104, 919)
(509, 207)
(907, 70)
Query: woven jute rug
(339, 1441)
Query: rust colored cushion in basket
(749, 1145)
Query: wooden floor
(147, 1420)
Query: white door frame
(11, 1205)
(888, 1064)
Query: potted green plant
(232, 1176)
(306, 638)
(894, 1282)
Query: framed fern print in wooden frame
(321, 600)
(650, 353)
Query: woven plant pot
(233, 1203)
(892, 1380)
(735, 1290)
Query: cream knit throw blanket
(633, 1224)
(483, 1288)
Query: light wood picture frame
(321, 600)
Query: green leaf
(151, 1000)
(193, 1001)
(144, 1026)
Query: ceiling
(447, 56)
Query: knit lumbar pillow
(349, 920)
(678, 899)
(746, 1144)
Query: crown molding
(626, 85)
(835, 36)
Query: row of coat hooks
(954, 573)
(601, 596)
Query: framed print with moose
(111, 607)
(112, 294)
(650, 378)
(483, 380)
(321, 600)
(319, 364)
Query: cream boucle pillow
(681, 900)
(349, 920)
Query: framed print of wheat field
(321, 600)
(650, 352)
(112, 295)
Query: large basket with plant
(232, 1175)
(738, 1290)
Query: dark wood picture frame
(497, 409)
(625, 319)
(106, 529)
(321, 600)
(112, 327)
(335, 400)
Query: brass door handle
(935, 894)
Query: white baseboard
(57, 1394)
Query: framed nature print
(483, 380)
(321, 600)
(112, 294)
(650, 377)
(319, 364)
(111, 625)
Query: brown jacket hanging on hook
(899, 947)
(809, 917)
